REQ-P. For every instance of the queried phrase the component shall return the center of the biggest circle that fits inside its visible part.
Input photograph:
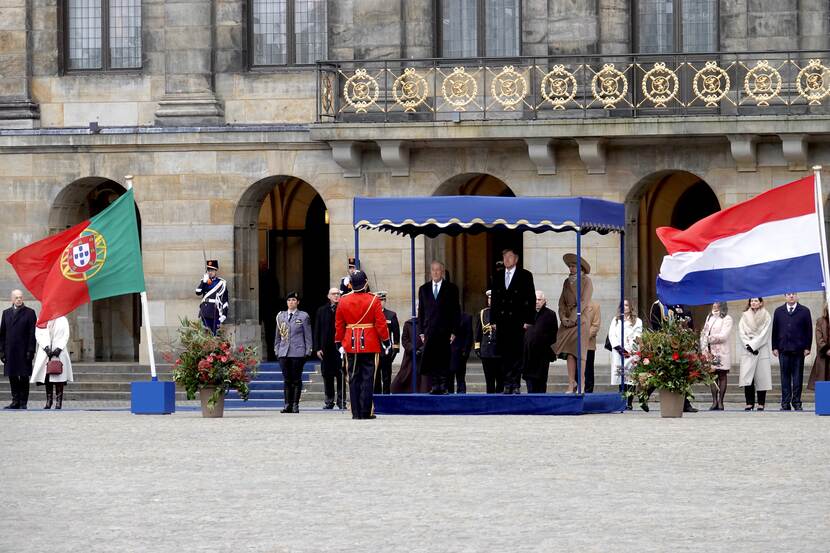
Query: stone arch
(107, 329)
(471, 258)
(280, 224)
(674, 198)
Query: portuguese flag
(95, 259)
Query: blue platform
(152, 398)
(823, 398)
(498, 404)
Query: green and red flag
(95, 259)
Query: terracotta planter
(671, 404)
(218, 410)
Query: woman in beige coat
(821, 366)
(565, 346)
(716, 341)
(754, 330)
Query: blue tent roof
(434, 215)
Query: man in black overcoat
(459, 354)
(792, 338)
(439, 311)
(17, 348)
(539, 339)
(331, 366)
(512, 311)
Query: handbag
(54, 367)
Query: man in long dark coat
(17, 348)
(512, 311)
(331, 365)
(439, 312)
(538, 352)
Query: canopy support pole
(622, 302)
(414, 318)
(578, 310)
(357, 248)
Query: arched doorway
(107, 329)
(281, 245)
(471, 258)
(669, 198)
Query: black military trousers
(361, 370)
(493, 374)
(292, 376)
(383, 378)
(20, 390)
(511, 345)
(211, 324)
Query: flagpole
(825, 271)
(145, 311)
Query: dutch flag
(771, 244)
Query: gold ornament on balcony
(558, 86)
(361, 91)
(762, 83)
(327, 94)
(508, 88)
(660, 85)
(410, 90)
(609, 86)
(711, 84)
(459, 88)
(813, 82)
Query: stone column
(814, 24)
(535, 28)
(189, 38)
(419, 29)
(733, 25)
(17, 109)
(615, 27)
(380, 25)
(572, 27)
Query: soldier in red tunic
(361, 331)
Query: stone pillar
(773, 25)
(733, 14)
(572, 27)
(17, 109)
(341, 30)
(615, 27)
(380, 26)
(189, 40)
(419, 29)
(814, 24)
(535, 28)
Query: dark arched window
(287, 32)
(676, 26)
(470, 28)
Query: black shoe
(799, 408)
(12, 406)
(370, 417)
(286, 409)
(714, 408)
(688, 408)
(517, 390)
(26, 407)
(328, 406)
(507, 390)
(786, 408)
(749, 408)
(644, 407)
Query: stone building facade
(242, 152)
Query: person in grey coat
(17, 348)
(293, 344)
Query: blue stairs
(267, 388)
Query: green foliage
(670, 359)
(207, 360)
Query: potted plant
(211, 365)
(670, 360)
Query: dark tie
(290, 316)
(435, 290)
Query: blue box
(152, 398)
(823, 397)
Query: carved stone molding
(592, 153)
(794, 147)
(744, 151)
(347, 154)
(542, 152)
(395, 155)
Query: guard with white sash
(361, 333)
(214, 292)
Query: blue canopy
(453, 215)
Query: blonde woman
(754, 331)
(715, 340)
(623, 333)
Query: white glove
(205, 278)
(342, 352)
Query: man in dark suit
(459, 354)
(383, 380)
(17, 348)
(439, 312)
(331, 365)
(538, 352)
(792, 337)
(512, 311)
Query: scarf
(755, 320)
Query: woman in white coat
(716, 340)
(754, 331)
(52, 343)
(623, 334)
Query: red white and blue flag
(771, 244)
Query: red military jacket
(359, 323)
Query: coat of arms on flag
(84, 256)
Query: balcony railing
(560, 87)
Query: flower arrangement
(208, 360)
(670, 359)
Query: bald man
(17, 348)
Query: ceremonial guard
(345, 282)
(293, 344)
(361, 330)
(214, 292)
(383, 380)
(485, 346)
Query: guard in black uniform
(485, 346)
(345, 282)
(214, 292)
(383, 380)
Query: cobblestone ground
(108, 481)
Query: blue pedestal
(823, 398)
(153, 398)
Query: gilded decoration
(508, 88)
(711, 84)
(762, 83)
(660, 85)
(558, 87)
(361, 91)
(327, 94)
(813, 82)
(459, 89)
(609, 86)
(410, 90)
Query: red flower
(241, 349)
(675, 356)
(694, 375)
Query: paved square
(82, 481)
